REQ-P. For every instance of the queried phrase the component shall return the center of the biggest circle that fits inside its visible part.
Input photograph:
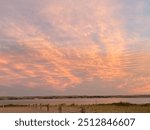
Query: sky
(74, 47)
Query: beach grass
(121, 107)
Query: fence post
(60, 108)
(40, 106)
(48, 107)
(83, 109)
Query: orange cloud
(62, 63)
(141, 89)
(76, 46)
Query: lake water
(76, 101)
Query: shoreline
(70, 97)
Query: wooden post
(48, 107)
(60, 108)
(40, 106)
(82, 109)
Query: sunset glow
(74, 47)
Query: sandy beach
(62, 108)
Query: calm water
(76, 101)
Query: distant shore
(74, 96)
(73, 108)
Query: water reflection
(77, 101)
